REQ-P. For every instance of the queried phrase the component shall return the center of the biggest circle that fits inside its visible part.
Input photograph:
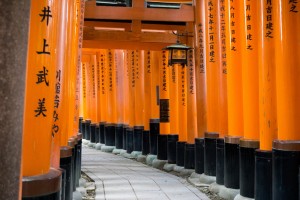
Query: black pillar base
(102, 132)
(129, 140)
(66, 164)
(41, 187)
(137, 138)
(231, 162)
(220, 161)
(189, 156)
(199, 155)
(93, 133)
(110, 134)
(80, 124)
(263, 175)
(162, 142)
(125, 136)
(180, 146)
(63, 184)
(83, 130)
(286, 161)
(97, 134)
(154, 132)
(146, 143)
(73, 144)
(79, 153)
(247, 167)
(172, 139)
(119, 136)
(210, 141)
(88, 129)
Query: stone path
(119, 178)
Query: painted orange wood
(249, 39)
(200, 70)
(164, 93)
(147, 89)
(234, 69)
(287, 37)
(267, 77)
(39, 92)
(139, 88)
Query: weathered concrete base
(150, 158)
(228, 193)
(77, 195)
(195, 180)
(91, 145)
(159, 164)
(82, 182)
(141, 158)
(122, 152)
(215, 188)
(98, 146)
(116, 151)
(240, 197)
(128, 155)
(186, 172)
(207, 179)
(85, 142)
(108, 149)
(135, 154)
(178, 169)
(169, 167)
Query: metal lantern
(177, 53)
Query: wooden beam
(154, 37)
(184, 14)
(127, 26)
(92, 44)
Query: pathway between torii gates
(119, 178)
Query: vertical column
(87, 60)
(192, 132)
(250, 142)
(286, 150)
(234, 95)
(154, 121)
(93, 98)
(182, 118)
(147, 101)
(38, 108)
(103, 105)
(200, 73)
(12, 94)
(119, 60)
(132, 85)
(164, 106)
(174, 122)
(213, 85)
(139, 101)
(111, 102)
(222, 73)
(126, 96)
(267, 101)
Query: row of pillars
(236, 96)
(51, 150)
(245, 90)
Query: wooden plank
(184, 14)
(92, 44)
(127, 26)
(99, 35)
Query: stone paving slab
(118, 178)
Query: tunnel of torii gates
(228, 106)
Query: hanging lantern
(177, 53)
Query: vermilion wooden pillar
(39, 105)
